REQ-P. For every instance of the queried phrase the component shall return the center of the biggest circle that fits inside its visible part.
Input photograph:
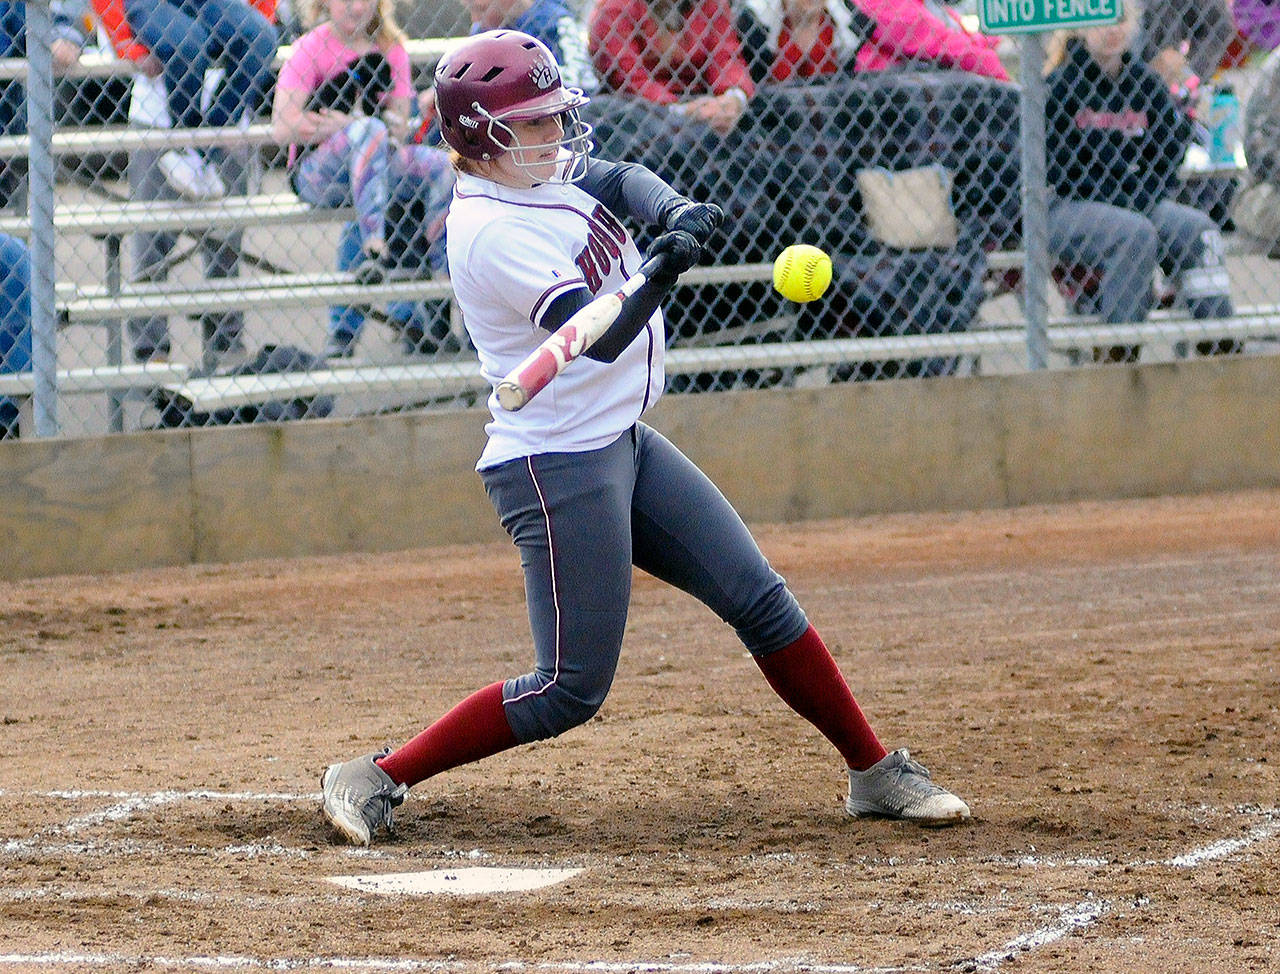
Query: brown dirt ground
(1099, 680)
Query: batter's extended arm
(569, 341)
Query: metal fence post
(1035, 199)
(44, 321)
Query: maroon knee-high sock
(474, 729)
(807, 679)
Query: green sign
(1023, 16)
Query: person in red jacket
(681, 53)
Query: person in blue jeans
(416, 243)
(65, 50)
(190, 36)
(15, 322)
(423, 327)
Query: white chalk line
(782, 966)
(1226, 847)
(1070, 920)
(1089, 912)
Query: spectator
(804, 38)
(150, 174)
(181, 41)
(677, 86)
(343, 99)
(805, 57)
(1258, 21)
(1115, 142)
(551, 22)
(15, 322)
(680, 53)
(423, 329)
(65, 51)
(1178, 38)
(775, 152)
(1257, 210)
(792, 40)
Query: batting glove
(678, 250)
(699, 220)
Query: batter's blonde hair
(383, 29)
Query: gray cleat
(357, 796)
(898, 787)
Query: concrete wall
(392, 482)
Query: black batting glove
(699, 220)
(677, 251)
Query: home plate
(472, 881)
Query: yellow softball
(802, 273)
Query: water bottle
(1224, 126)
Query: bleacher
(111, 305)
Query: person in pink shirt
(794, 40)
(909, 31)
(342, 104)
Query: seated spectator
(1115, 140)
(415, 243)
(15, 322)
(675, 87)
(180, 41)
(1181, 38)
(65, 51)
(550, 21)
(1258, 22)
(1257, 208)
(804, 38)
(343, 101)
(416, 229)
(779, 147)
(805, 57)
(150, 178)
(795, 40)
(684, 54)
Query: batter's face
(538, 163)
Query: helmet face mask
(573, 144)
(502, 77)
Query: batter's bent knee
(772, 622)
(558, 706)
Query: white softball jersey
(512, 251)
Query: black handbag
(357, 91)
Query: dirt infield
(1100, 681)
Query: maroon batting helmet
(503, 76)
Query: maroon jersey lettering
(605, 237)
(586, 262)
(610, 223)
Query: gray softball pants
(581, 521)
(1126, 247)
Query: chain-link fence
(212, 259)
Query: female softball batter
(584, 488)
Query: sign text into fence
(1019, 16)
